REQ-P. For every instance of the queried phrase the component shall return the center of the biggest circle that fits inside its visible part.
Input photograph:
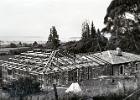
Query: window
(121, 69)
(137, 65)
(113, 81)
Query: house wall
(128, 69)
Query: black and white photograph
(69, 49)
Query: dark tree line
(91, 41)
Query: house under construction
(63, 68)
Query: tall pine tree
(85, 31)
(92, 31)
(50, 38)
(53, 38)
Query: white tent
(120, 85)
(74, 88)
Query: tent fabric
(74, 88)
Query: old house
(62, 68)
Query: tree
(26, 45)
(92, 31)
(20, 44)
(119, 7)
(1, 43)
(85, 30)
(13, 45)
(35, 44)
(23, 86)
(50, 38)
(101, 41)
(53, 39)
(124, 29)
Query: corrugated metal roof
(112, 57)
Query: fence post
(55, 91)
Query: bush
(71, 96)
(109, 97)
(23, 86)
(13, 45)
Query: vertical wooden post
(77, 75)
(55, 91)
(44, 79)
(67, 77)
(88, 73)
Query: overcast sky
(31, 19)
